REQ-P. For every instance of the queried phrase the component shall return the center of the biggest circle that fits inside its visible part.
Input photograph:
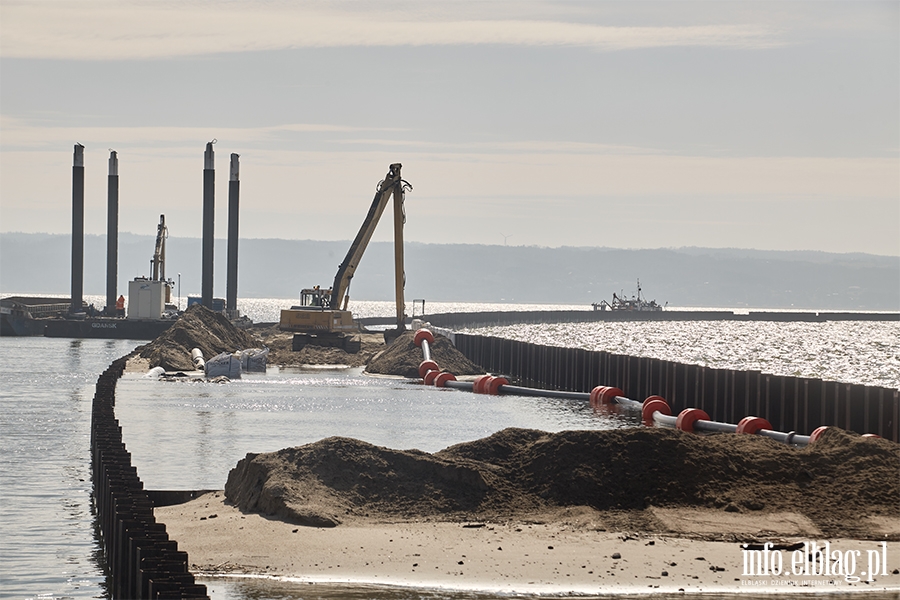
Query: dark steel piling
(209, 217)
(234, 192)
(77, 229)
(112, 233)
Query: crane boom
(158, 262)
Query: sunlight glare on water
(862, 352)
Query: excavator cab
(315, 298)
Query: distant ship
(634, 304)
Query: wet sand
(573, 550)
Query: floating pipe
(77, 230)
(715, 426)
(459, 385)
(787, 438)
(538, 393)
(628, 402)
(665, 420)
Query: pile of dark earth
(201, 328)
(403, 358)
(836, 482)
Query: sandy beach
(573, 550)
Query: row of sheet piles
(654, 410)
(786, 402)
(143, 562)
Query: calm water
(188, 436)
(46, 385)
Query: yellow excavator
(322, 317)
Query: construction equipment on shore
(322, 317)
(151, 298)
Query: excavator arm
(391, 185)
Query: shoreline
(574, 551)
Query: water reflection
(74, 355)
(47, 544)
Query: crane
(158, 262)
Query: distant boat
(634, 304)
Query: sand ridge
(571, 551)
(834, 484)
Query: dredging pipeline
(654, 410)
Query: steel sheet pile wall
(788, 403)
(143, 562)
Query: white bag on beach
(254, 360)
(226, 364)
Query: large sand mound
(835, 482)
(403, 358)
(201, 328)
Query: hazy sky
(639, 124)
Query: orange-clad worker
(120, 306)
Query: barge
(107, 328)
(29, 315)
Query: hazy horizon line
(538, 246)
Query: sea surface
(187, 436)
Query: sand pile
(403, 358)
(201, 328)
(835, 482)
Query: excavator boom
(347, 269)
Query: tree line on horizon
(274, 268)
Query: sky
(761, 125)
